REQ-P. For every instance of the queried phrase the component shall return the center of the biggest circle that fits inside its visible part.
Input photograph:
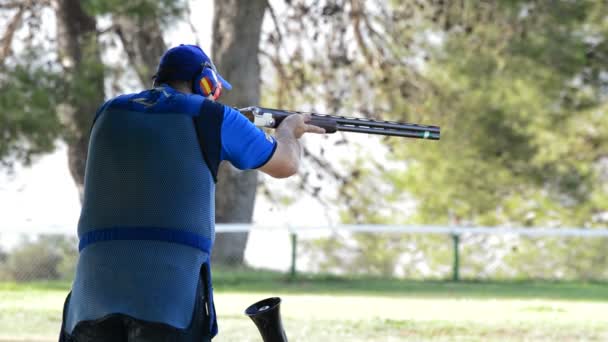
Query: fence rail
(419, 229)
(69, 228)
(455, 232)
(295, 234)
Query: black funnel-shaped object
(267, 317)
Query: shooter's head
(187, 67)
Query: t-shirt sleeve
(243, 144)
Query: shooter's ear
(207, 84)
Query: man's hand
(286, 158)
(296, 124)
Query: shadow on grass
(254, 280)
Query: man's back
(145, 171)
(145, 167)
(147, 223)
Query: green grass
(247, 281)
(362, 309)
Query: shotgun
(271, 118)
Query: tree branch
(7, 39)
(273, 15)
(192, 27)
(323, 165)
(111, 29)
(25, 4)
(143, 43)
(284, 84)
(356, 10)
(12, 5)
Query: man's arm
(286, 159)
(248, 147)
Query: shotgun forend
(271, 118)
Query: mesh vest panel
(143, 170)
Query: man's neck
(182, 88)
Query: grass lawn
(362, 309)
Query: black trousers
(123, 328)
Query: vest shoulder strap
(208, 125)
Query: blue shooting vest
(147, 221)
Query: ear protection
(207, 83)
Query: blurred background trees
(518, 87)
(522, 97)
(54, 84)
(48, 257)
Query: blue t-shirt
(148, 212)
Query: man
(147, 223)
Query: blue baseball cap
(184, 62)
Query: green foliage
(519, 89)
(29, 125)
(482, 257)
(84, 83)
(520, 104)
(572, 258)
(50, 257)
(41, 100)
(380, 254)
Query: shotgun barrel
(272, 118)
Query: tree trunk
(80, 57)
(143, 42)
(237, 26)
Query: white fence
(34, 228)
(419, 229)
(278, 247)
(455, 232)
